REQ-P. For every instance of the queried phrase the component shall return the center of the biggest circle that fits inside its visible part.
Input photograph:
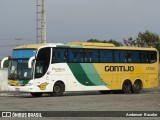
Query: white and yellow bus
(81, 66)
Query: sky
(76, 20)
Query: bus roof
(38, 46)
(83, 45)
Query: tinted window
(102, 55)
(152, 56)
(133, 56)
(42, 62)
(88, 56)
(59, 55)
(109, 56)
(120, 56)
(26, 53)
(91, 55)
(95, 56)
(143, 55)
(106, 56)
(75, 55)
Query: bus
(55, 68)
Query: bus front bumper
(20, 88)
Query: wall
(3, 80)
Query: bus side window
(144, 58)
(128, 57)
(119, 56)
(71, 55)
(109, 56)
(79, 56)
(75, 55)
(87, 56)
(62, 55)
(59, 55)
(102, 56)
(135, 56)
(55, 56)
(152, 56)
(95, 56)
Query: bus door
(42, 68)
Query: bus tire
(126, 87)
(36, 94)
(137, 87)
(58, 89)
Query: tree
(144, 39)
(116, 43)
(93, 40)
(130, 42)
(148, 38)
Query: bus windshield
(18, 69)
(23, 53)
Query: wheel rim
(57, 89)
(137, 86)
(126, 87)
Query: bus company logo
(58, 69)
(21, 114)
(42, 86)
(119, 68)
(6, 114)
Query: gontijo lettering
(119, 68)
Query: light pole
(43, 22)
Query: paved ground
(148, 100)
(87, 101)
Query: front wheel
(58, 89)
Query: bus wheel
(126, 88)
(58, 89)
(137, 87)
(36, 94)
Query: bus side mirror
(3, 60)
(30, 62)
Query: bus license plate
(17, 89)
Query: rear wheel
(126, 88)
(36, 94)
(58, 89)
(137, 87)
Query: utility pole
(41, 21)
